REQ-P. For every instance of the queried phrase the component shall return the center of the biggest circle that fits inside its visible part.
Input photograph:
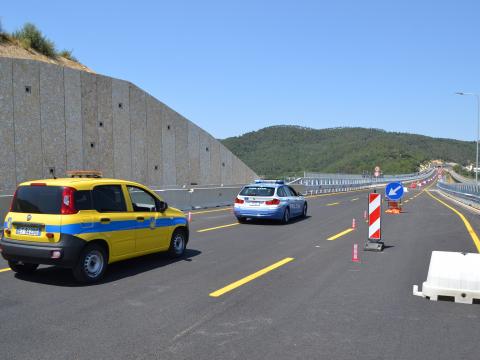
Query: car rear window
(257, 191)
(38, 200)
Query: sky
(237, 66)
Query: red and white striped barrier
(374, 214)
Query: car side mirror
(161, 205)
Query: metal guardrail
(460, 178)
(326, 183)
(213, 196)
(467, 193)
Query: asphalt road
(320, 305)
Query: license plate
(254, 203)
(28, 230)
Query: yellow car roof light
(84, 174)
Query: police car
(269, 199)
(86, 222)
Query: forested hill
(289, 150)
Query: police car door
(294, 200)
(148, 235)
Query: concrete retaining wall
(57, 119)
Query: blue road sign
(394, 191)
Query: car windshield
(257, 191)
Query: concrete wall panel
(204, 153)
(105, 125)
(28, 130)
(89, 121)
(216, 163)
(55, 117)
(8, 179)
(181, 150)
(122, 150)
(193, 152)
(52, 111)
(154, 142)
(168, 147)
(73, 119)
(138, 122)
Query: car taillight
(272, 202)
(68, 206)
(13, 201)
(239, 201)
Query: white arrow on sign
(393, 192)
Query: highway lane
(320, 305)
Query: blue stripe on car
(84, 228)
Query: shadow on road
(117, 271)
(276, 222)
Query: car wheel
(178, 243)
(242, 220)
(286, 216)
(304, 212)
(22, 268)
(91, 265)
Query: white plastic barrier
(452, 276)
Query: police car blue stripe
(85, 228)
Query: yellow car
(85, 223)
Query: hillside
(21, 46)
(289, 150)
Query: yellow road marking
(344, 232)
(249, 278)
(469, 227)
(4, 270)
(217, 227)
(207, 211)
(333, 204)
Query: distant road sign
(394, 191)
(377, 171)
(377, 168)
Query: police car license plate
(28, 230)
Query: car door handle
(104, 220)
(140, 218)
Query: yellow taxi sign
(84, 173)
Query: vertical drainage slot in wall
(100, 124)
(28, 89)
(168, 127)
(120, 105)
(92, 145)
(156, 167)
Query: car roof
(265, 184)
(81, 183)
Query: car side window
(108, 198)
(281, 192)
(83, 200)
(292, 191)
(141, 200)
(288, 192)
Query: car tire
(242, 220)
(305, 209)
(178, 243)
(286, 216)
(22, 268)
(91, 265)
